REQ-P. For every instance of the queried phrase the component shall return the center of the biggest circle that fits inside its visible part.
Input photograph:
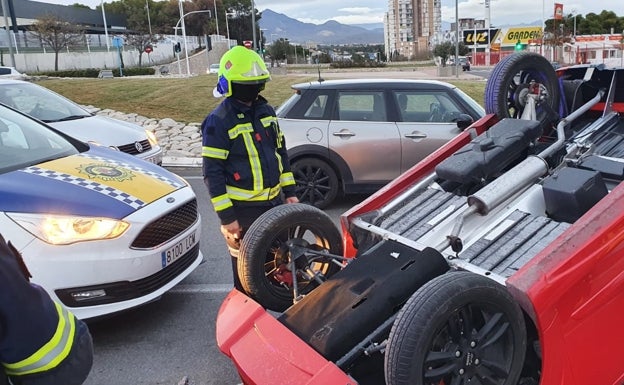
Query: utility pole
(253, 24)
(149, 23)
(6, 23)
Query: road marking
(201, 288)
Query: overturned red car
(497, 260)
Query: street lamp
(295, 46)
(216, 17)
(227, 26)
(105, 26)
(273, 34)
(181, 19)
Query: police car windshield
(25, 142)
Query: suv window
(361, 106)
(430, 106)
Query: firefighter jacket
(36, 334)
(244, 157)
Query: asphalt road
(172, 340)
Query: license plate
(154, 159)
(176, 251)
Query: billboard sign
(479, 36)
(522, 34)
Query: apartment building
(409, 26)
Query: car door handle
(416, 135)
(343, 133)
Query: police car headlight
(64, 230)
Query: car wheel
(279, 236)
(317, 183)
(459, 328)
(510, 82)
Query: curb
(174, 161)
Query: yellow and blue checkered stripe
(97, 187)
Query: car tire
(316, 182)
(265, 253)
(458, 328)
(508, 84)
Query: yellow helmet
(240, 65)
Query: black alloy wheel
(273, 240)
(459, 328)
(316, 182)
(514, 78)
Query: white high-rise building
(409, 26)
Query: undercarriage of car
(437, 279)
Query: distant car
(10, 72)
(465, 63)
(74, 120)
(354, 136)
(214, 68)
(101, 231)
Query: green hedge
(94, 72)
(354, 64)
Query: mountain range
(276, 25)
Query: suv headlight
(64, 230)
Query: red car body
(572, 291)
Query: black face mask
(246, 92)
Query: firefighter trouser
(246, 216)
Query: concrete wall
(162, 54)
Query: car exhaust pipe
(529, 170)
(514, 180)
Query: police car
(101, 230)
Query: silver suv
(354, 136)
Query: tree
(279, 49)
(57, 34)
(140, 42)
(446, 50)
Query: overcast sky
(502, 12)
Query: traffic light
(519, 46)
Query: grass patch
(182, 99)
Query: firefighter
(245, 163)
(41, 343)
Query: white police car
(101, 230)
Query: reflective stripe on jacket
(36, 334)
(52, 353)
(244, 156)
